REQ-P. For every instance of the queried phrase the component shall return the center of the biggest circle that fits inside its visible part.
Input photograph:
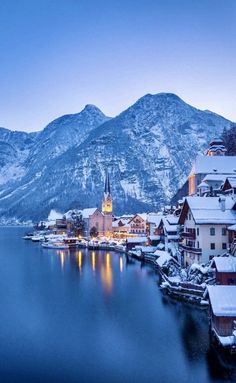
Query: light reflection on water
(95, 316)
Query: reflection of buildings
(106, 273)
(99, 263)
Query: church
(100, 219)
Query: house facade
(205, 221)
(225, 270)
(138, 224)
(223, 314)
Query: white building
(205, 221)
(212, 168)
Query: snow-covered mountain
(14, 150)
(148, 149)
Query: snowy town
(192, 244)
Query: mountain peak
(90, 108)
(161, 96)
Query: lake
(95, 316)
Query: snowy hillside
(148, 149)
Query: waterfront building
(225, 270)
(121, 227)
(205, 221)
(223, 314)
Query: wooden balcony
(188, 235)
(190, 249)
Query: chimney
(222, 203)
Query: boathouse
(223, 314)
(225, 270)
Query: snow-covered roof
(232, 228)
(86, 213)
(171, 224)
(155, 218)
(203, 184)
(143, 216)
(122, 225)
(207, 210)
(137, 240)
(232, 181)
(69, 214)
(225, 264)
(154, 237)
(216, 177)
(223, 300)
(50, 223)
(172, 219)
(214, 165)
(163, 257)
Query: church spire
(107, 189)
(107, 199)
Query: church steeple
(107, 189)
(107, 199)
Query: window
(197, 230)
(213, 246)
(212, 231)
(189, 216)
(223, 230)
(197, 244)
(224, 246)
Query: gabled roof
(163, 257)
(214, 165)
(223, 300)
(207, 210)
(225, 264)
(216, 177)
(232, 228)
(142, 215)
(86, 213)
(229, 183)
(155, 218)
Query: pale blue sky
(58, 55)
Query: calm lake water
(95, 317)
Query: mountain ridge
(148, 148)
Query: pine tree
(229, 138)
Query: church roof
(86, 213)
